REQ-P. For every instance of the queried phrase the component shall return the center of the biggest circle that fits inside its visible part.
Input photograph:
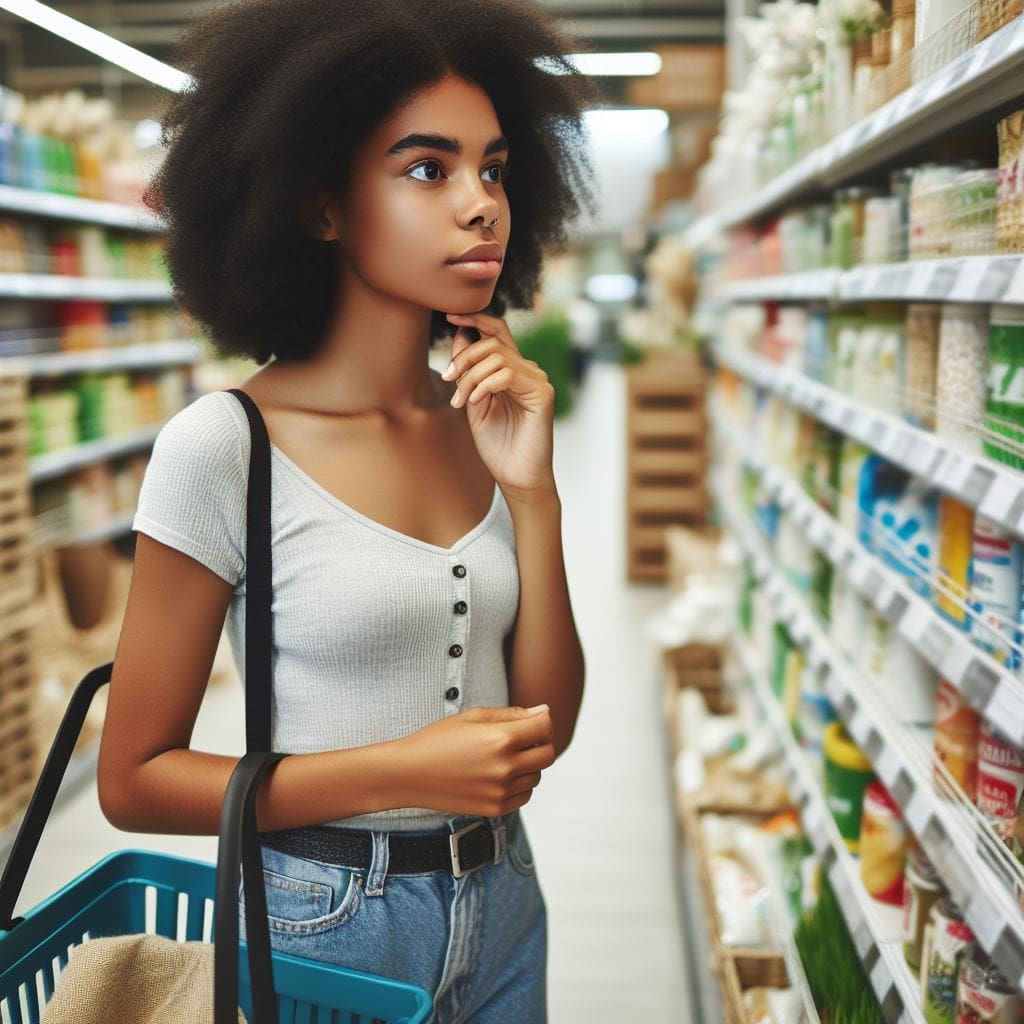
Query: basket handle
(239, 846)
(38, 813)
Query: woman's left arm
(509, 403)
(546, 662)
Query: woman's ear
(323, 219)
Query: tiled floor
(600, 821)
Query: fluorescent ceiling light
(107, 47)
(627, 123)
(610, 287)
(631, 64)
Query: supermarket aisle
(599, 823)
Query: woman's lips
(478, 268)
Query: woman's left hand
(509, 403)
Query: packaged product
(946, 940)
(957, 730)
(956, 541)
(884, 839)
(984, 995)
(921, 360)
(848, 773)
(1010, 187)
(1000, 781)
(1004, 420)
(922, 888)
(961, 383)
(996, 591)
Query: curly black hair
(282, 93)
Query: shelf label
(1015, 289)
(918, 811)
(985, 920)
(1004, 499)
(887, 764)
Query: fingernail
(539, 707)
(455, 399)
(451, 369)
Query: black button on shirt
(459, 571)
(452, 693)
(460, 607)
(455, 650)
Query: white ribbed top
(364, 617)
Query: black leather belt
(408, 854)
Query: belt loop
(378, 869)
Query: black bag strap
(238, 842)
(258, 585)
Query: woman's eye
(423, 166)
(501, 169)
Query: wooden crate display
(20, 760)
(15, 494)
(735, 969)
(666, 457)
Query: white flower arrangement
(851, 20)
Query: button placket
(458, 636)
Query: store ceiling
(33, 60)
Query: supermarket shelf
(983, 279)
(125, 357)
(871, 925)
(995, 490)
(58, 287)
(809, 285)
(45, 467)
(952, 840)
(991, 689)
(116, 527)
(88, 211)
(974, 83)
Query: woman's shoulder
(208, 432)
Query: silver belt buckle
(453, 842)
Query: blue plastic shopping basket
(135, 891)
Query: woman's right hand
(482, 761)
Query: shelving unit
(57, 288)
(74, 208)
(958, 843)
(974, 83)
(983, 279)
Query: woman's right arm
(484, 761)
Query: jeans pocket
(520, 855)
(305, 897)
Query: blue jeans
(477, 944)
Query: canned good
(945, 943)
(956, 737)
(884, 838)
(1000, 781)
(983, 994)
(922, 888)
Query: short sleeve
(193, 495)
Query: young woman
(347, 183)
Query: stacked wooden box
(19, 761)
(666, 456)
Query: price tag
(895, 281)
(896, 445)
(922, 457)
(876, 432)
(1015, 289)
(1003, 499)
(881, 979)
(954, 472)
(887, 765)
(968, 284)
(1006, 706)
(859, 726)
(957, 662)
(935, 642)
(918, 811)
(833, 689)
(943, 278)
(859, 572)
(985, 920)
(919, 278)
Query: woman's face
(417, 203)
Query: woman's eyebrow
(445, 143)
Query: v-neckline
(373, 524)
